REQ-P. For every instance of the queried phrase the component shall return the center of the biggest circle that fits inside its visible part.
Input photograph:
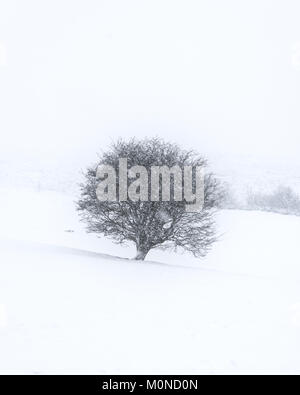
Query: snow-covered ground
(70, 304)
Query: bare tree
(150, 224)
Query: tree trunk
(141, 254)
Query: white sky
(218, 76)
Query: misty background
(221, 77)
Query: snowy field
(70, 304)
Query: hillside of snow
(74, 303)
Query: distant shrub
(226, 197)
(283, 201)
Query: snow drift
(70, 304)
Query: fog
(222, 77)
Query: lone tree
(150, 224)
